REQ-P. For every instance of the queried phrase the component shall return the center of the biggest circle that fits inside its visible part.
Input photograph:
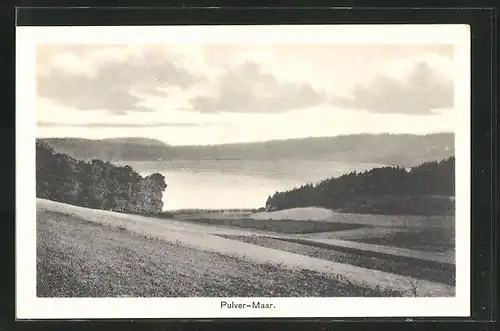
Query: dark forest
(427, 189)
(96, 184)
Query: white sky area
(212, 92)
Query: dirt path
(85, 259)
(149, 225)
(436, 272)
(448, 258)
(373, 232)
(192, 236)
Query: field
(89, 253)
(81, 259)
(415, 268)
(429, 240)
(279, 226)
(432, 234)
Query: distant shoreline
(370, 148)
(143, 140)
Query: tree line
(357, 148)
(95, 183)
(425, 189)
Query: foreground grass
(278, 226)
(426, 270)
(427, 240)
(76, 258)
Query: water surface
(213, 184)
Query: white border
(28, 306)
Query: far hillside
(135, 141)
(391, 149)
(427, 189)
(112, 149)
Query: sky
(195, 94)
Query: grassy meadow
(77, 258)
(83, 252)
(278, 226)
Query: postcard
(243, 171)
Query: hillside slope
(77, 258)
(404, 150)
(119, 149)
(191, 238)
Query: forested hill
(96, 184)
(427, 189)
(397, 149)
(116, 149)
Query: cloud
(123, 125)
(422, 92)
(109, 78)
(247, 88)
(216, 79)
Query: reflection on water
(215, 184)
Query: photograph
(246, 169)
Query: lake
(213, 184)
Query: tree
(96, 184)
(379, 190)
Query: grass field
(76, 258)
(87, 252)
(428, 240)
(422, 233)
(392, 221)
(278, 226)
(443, 273)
